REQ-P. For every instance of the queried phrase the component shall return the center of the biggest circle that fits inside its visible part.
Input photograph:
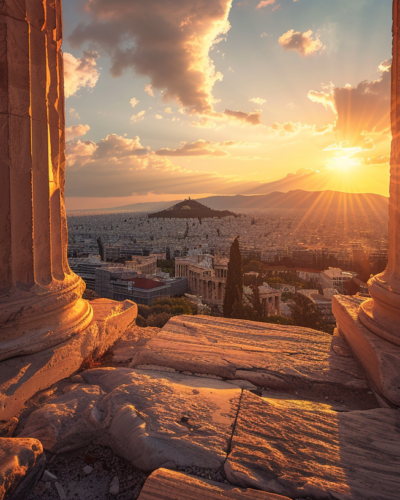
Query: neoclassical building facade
(206, 277)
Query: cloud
(168, 41)
(139, 117)
(303, 43)
(118, 166)
(168, 110)
(80, 72)
(265, 3)
(253, 118)
(74, 114)
(376, 160)
(258, 100)
(290, 128)
(148, 88)
(76, 131)
(325, 97)
(134, 102)
(159, 117)
(115, 147)
(361, 112)
(79, 152)
(198, 148)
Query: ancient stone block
(18, 460)
(380, 358)
(67, 422)
(171, 485)
(275, 356)
(22, 377)
(135, 338)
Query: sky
(174, 98)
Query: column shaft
(40, 298)
(382, 314)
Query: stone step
(274, 356)
(170, 485)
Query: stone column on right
(372, 328)
(381, 314)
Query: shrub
(158, 320)
(144, 311)
(141, 321)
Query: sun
(343, 163)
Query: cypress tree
(257, 306)
(233, 299)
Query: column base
(40, 317)
(376, 319)
(379, 358)
(22, 377)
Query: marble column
(381, 314)
(40, 297)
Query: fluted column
(381, 314)
(40, 297)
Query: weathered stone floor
(152, 419)
(301, 449)
(290, 417)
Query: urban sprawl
(284, 253)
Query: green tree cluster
(305, 313)
(162, 310)
(167, 266)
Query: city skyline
(304, 94)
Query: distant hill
(190, 209)
(297, 199)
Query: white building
(270, 299)
(334, 278)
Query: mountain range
(296, 199)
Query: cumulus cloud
(265, 3)
(290, 128)
(324, 97)
(198, 148)
(169, 42)
(159, 117)
(74, 114)
(149, 89)
(134, 102)
(118, 166)
(258, 100)
(76, 131)
(138, 117)
(360, 111)
(253, 118)
(168, 110)
(80, 72)
(79, 152)
(303, 43)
